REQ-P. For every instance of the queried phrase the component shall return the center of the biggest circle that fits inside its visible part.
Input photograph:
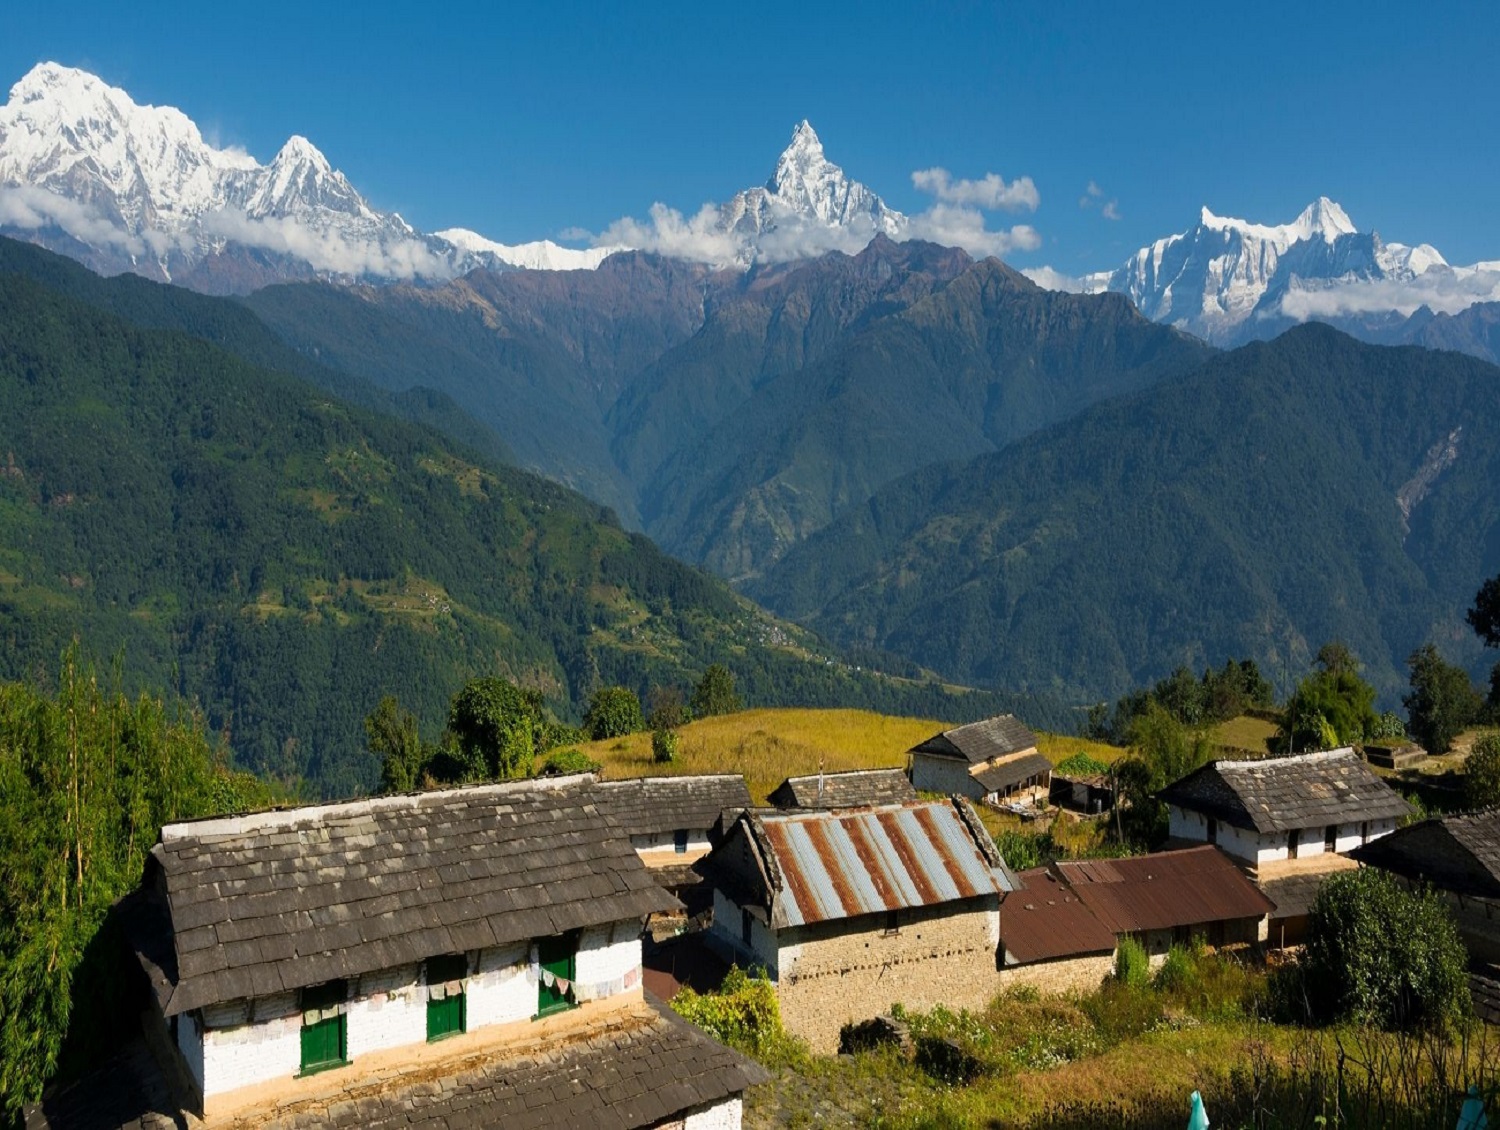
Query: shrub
(664, 745)
(1132, 965)
(1081, 765)
(566, 761)
(613, 712)
(1378, 953)
(1482, 773)
(1178, 972)
(743, 1013)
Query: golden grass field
(766, 746)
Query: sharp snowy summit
(124, 187)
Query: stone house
(1459, 857)
(468, 956)
(1290, 821)
(849, 789)
(1049, 939)
(1169, 897)
(852, 910)
(993, 761)
(671, 821)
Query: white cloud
(1049, 278)
(991, 192)
(1091, 197)
(956, 226)
(30, 208)
(1444, 290)
(1111, 211)
(330, 251)
(668, 232)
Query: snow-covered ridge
(85, 169)
(1227, 279)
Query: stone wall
(1055, 978)
(726, 1115)
(837, 973)
(945, 775)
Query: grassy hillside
(767, 746)
(1290, 493)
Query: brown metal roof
(1164, 890)
(1043, 920)
(850, 862)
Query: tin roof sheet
(1164, 890)
(1044, 920)
(850, 862)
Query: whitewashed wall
(607, 957)
(944, 775)
(246, 1044)
(726, 1115)
(725, 932)
(500, 992)
(1251, 846)
(389, 1009)
(190, 1044)
(697, 842)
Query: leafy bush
(567, 761)
(1081, 765)
(1132, 964)
(664, 744)
(744, 1013)
(1381, 954)
(715, 693)
(1179, 971)
(613, 712)
(1025, 850)
(1482, 773)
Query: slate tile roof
(1043, 920)
(981, 741)
(1277, 794)
(1456, 853)
(658, 806)
(637, 1068)
(1294, 893)
(849, 789)
(1012, 771)
(259, 904)
(848, 862)
(1164, 890)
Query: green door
(446, 1016)
(325, 1040)
(559, 957)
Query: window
(446, 1008)
(745, 926)
(1291, 844)
(1331, 838)
(1213, 830)
(325, 1034)
(892, 923)
(558, 957)
(1364, 832)
(679, 841)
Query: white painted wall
(245, 1045)
(609, 961)
(697, 842)
(726, 1115)
(190, 1044)
(1251, 846)
(389, 1009)
(944, 775)
(499, 991)
(725, 931)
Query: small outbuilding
(849, 789)
(993, 761)
(1049, 939)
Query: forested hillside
(284, 558)
(1289, 493)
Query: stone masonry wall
(946, 775)
(726, 1115)
(829, 979)
(1055, 978)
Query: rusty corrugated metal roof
(1164, 890)
(850, 862)
(1043, 919)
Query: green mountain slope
(284, 558)
(1253, 508)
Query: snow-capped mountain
(1229, 280)
(124, 187)
(808, 189)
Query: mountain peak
(46, 79)
(299, 151)
(1324, 218)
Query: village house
(469, 956)
(672, 820)
(849, 789)
(1290, 820)
(852, 910)
(1049, 940)
(993, 761)
(1458, 857)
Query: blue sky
(522, 122)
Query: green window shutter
(325, 1042)
(446, 1015)
(558, 956)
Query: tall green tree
(87, 779)
(1482, 773)
(392, 735)
(1484, 616)
(715, 693)
(1333, 706)
(495, 725)
(1442, 700)
(613, 712)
